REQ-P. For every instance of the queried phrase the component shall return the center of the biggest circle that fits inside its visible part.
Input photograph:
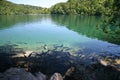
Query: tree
(111, 26)
(85, 7)
(8, 8)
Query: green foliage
(86, 7)
(8, 8)
(111, 26)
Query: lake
(30, 32)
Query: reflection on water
(33, 31)
(85, 25)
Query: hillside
(84, 7)
(87, 7)
(8, 8)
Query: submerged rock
(108, 61)
(117, 61)
(18, 55)
(23, 54)
(105, 63)
(57, 59)
(28, 53)
(69, 72)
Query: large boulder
(40, 76)
(56, 76)
(20, 74)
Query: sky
(41, 3)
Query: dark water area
(56, 43)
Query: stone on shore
(21, 74)
(17, 74)
(40, 76)
(56, 76)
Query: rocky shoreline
(22, 74)
(58, 61)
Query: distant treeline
(87, 7)
(84, 7)
(8, 8)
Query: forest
(9, 8)
(83, 7)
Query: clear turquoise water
(33, 31)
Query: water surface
(32, 31)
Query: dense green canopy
(87, 7)
(111, 25)
(84, 7)
(8, 8)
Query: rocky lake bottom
(72, 64)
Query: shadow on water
(6, 51)
(53, 60)
(47, 61)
